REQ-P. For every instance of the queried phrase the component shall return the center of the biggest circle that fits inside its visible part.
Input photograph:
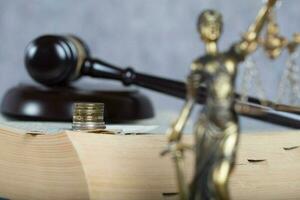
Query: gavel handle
(170, 87)
(102, 69)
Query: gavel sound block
(75, 165)
(38, 103)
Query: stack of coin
(88, 116)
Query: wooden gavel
(57, 60)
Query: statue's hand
(173, 134)
(174, 147)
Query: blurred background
(154, 36)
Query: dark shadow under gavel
(57, 60)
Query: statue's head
(210, 25)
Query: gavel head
(55, 60)
(210, 25)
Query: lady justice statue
(217, 129)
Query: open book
(77, 165)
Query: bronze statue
(217, 129)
